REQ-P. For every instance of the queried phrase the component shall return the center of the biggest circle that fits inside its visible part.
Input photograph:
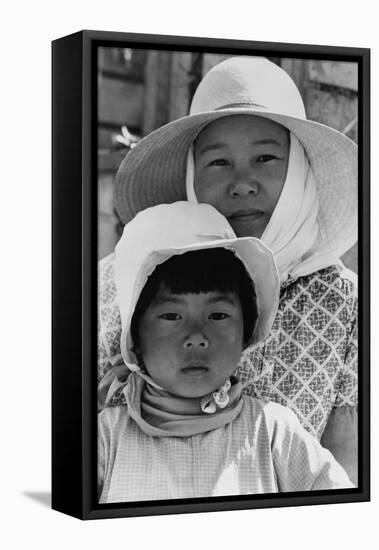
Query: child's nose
(196, 340)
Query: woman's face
(240, 169)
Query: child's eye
(170, 316)
(219, 162)
(266, 158)
(218, 316)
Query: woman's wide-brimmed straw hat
(154, 171)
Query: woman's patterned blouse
(309, 361)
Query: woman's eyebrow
(221, 145)
(267, 141)
(211, 147)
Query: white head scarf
(293, 228)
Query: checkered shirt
(263, 450)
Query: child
(247, 149)
(191, 297)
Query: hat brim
(259, 264)
(153, 172)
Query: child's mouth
(196, 370)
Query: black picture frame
(74, 272)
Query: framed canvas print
(210, 275)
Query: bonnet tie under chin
(160, 413)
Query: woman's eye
(170, 316)
(218, 316)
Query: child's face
(191, 343)
(240, 169)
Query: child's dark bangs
(202, 271)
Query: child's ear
(138, 354)
(140, 362)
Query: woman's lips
(244, 214)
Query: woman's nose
(244, 183)
(196, 340)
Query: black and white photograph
(227, 274)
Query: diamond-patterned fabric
(309, 361)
